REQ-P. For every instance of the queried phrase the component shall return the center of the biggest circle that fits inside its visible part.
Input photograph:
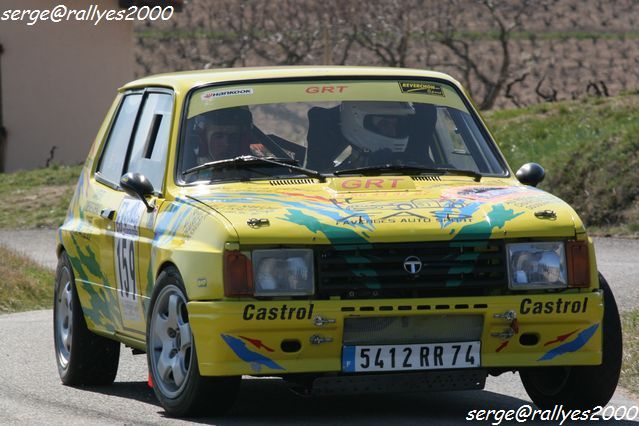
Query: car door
(128, 238)
(99, 193)
(133, 240)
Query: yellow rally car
(348, 229)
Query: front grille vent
(282, 182)
(427, 178)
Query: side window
(112, 161)
(151, 141)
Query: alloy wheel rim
(170, 342)
(64, 317)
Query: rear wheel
(83, 357)
(172, 357)
(581, 387)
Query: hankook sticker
(209, 96)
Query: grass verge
(630, 368)
(24, 285)
(36, 198)
(590, 150)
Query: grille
(447, 268)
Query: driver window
(150, 144)
(112, 161)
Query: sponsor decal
(325, 89)
(127, 222)
(559, 306)
(516, 195)
(502, 346)
(284, 312)
(533, 202)
(92, 207)
(421, 87)
(442, 210)
(456, 211)
(192, 223)
(257, 343)
(399, 217)
(560, 338)
(209, 96)
(255, 359)
(128, 218)
(572, 346)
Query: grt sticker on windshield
(420, 87)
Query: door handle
(107, 214)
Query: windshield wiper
(251, 160)
(409, 169)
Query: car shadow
(270, 401)
(138, 391)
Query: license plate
(429, 356)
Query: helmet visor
(391, 126)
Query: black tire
(177, 382)
(83, 357)
(582, 387)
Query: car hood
(387, 209)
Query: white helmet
(377, 125)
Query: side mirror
(530, 174)
(137, 185)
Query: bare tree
(487, 44)
(206, 35)
(510, 93)
(339, 33)
(484, 77)
(548, 96)
(289, 31)
(385, 28)
(296, 32)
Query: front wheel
(581, 387)
(172, 358)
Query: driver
(375, 130)
(226, 133)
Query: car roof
(185, 80)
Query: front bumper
(281, 337)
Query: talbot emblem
(412, 265)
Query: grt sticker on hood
(371, 184)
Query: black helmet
(238, 116)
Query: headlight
(536, 265)
(283, 272)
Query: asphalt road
(31, 392)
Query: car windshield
(332, 127)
